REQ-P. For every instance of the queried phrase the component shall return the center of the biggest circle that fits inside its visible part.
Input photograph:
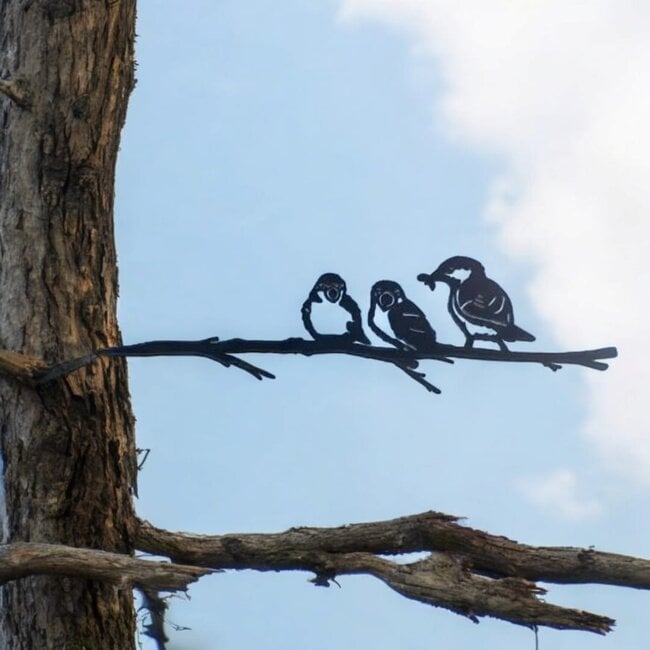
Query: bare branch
(443, 580)
(471, 572)
(419, 377)
(21, 559)
(489, 555)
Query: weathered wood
(469, 572)
(443, 580)
(22, 559)
(490, 555)
(68, 447)
(21, 367)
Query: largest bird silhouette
(409, 324)
(320, 318)
(478, 305)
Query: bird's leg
(492, 338)
(502, 346)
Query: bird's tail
(514, 333)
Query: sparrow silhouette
(411, 329)
(478, 305)
(338, 317)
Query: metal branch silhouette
(478, 306)
(406, 360)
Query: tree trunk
(66, 72)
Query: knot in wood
(56, 9)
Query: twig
(420, 378)
(554, 360)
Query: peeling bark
(67, 447)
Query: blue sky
(269, 142)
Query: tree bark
(27, 558)
(66, 71)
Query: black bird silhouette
(332, 287)
(409, 324)
(478, 305)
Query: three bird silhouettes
(478, 305)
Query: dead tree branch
(443, 580)
(20, 559)
(470, 572)
(490, 555)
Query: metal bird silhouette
(320, 317)
(412, 331)
(477, 304)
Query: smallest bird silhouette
(478, 305)
(410, 326)
(336, 319)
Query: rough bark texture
(67, 71)
(125, 571)
(488, 555)
(469, 571)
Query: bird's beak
(428, 279)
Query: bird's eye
(386, 300)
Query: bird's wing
(411, 325)
(354, 326)
(484, 302)
(306, 314)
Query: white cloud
(560, 92)
(558, 494)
